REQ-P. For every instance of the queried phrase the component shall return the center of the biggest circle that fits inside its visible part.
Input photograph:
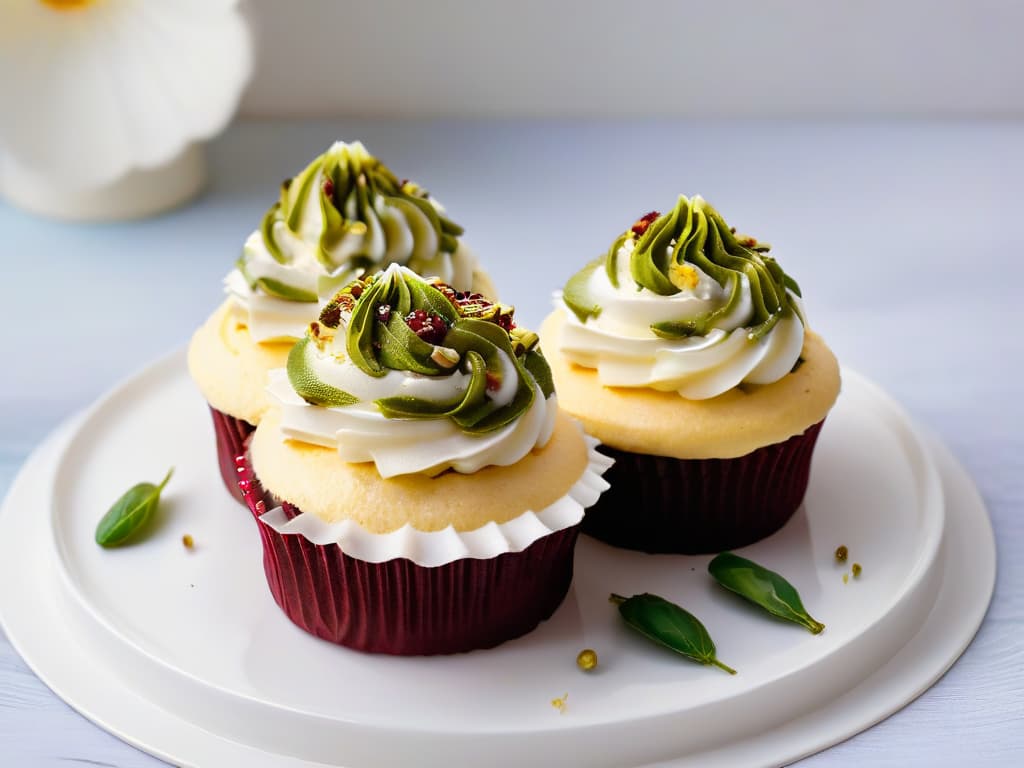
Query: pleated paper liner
(661, 504)
(231, 434)
(398, 606)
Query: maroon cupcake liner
(232, 435)
(401, 608)
(660, 504)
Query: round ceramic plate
(194, 634)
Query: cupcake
(345, 215)
(685, 351)
(416, 487)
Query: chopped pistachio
(560, 703)
(586, 659)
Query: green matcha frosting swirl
(420, 350)
(663, 250)
(344, 215)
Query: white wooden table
(906, 238)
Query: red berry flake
(429, 327)
(357, 290)
(384, 312)
(476, 306)
(641, 224)
(493, 382)
(331, 315)
(328, 187)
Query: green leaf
(762, 587)
(669, 625)
(130, 513)
(577, 296)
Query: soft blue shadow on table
(904, 236)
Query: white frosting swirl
(620, 345)
(407, 446)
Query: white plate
(195, 634)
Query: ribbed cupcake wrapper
(660, 504)
(232, 436)
(398, 607)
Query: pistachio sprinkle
(586, 659)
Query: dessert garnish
(669, 625)
(762, 587)
(586, 659)
(560, 703)
(187, 541)
(668, 252)
(856, 570)
(130, 513)
(842, 553)
(397, 321)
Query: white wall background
(624, 57)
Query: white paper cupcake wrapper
(434, 548)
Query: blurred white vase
(107, 102)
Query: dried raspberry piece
(331, 315)
(476, 306)
(640, 225)
(429, 327)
